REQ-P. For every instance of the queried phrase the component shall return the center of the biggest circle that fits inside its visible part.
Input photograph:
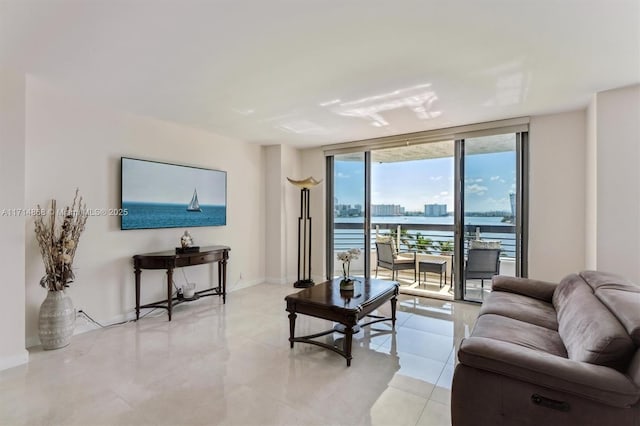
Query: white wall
(618, 181)
(274, 262)
(71, 143)
(313, 164)
(283, 210)
(557, 195)
(12, 228)
(291, 167)
(591, 182)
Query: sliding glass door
(490, 211)
(412, 203)
(455, 209)
(347, 228)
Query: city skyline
(489, 181)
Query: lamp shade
(307, 183)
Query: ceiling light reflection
(417, 98)
(305, 127)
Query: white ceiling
(312, 72)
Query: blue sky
(167, 183)
(488, 180)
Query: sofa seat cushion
(520, 333)
(523, 308)
(589, 330)
(593, 382)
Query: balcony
(429, 242)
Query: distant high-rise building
(346, 210)
(387, 210)
(512, 201)
(434, 210)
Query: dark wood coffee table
(327, 301)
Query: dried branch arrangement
(58, 241)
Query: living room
(64, 130)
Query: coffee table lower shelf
(338, 328)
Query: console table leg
(292, 327)
(224, 281)
(137, 274)
(169, 296)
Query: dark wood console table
(170, 260)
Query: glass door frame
(522, 212)
(330, 219)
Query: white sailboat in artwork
(194, 206)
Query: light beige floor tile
(397, 408)
(431, 323)
(435, 414)
(412, 385)
(232, 364)
(446, 378)
(441, 395)
(424, 344)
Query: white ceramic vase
(57, 320)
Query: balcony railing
(425, 238)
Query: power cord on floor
(88, 317)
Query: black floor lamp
(304, 233)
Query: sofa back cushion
(620, 296)
(589, 330)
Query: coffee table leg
(348, 337)
(393, 311)
(292, 327)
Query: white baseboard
(278, 281)
(240, 284)
(290, 280)
(11, 361)
(32, 341)
(83, 325)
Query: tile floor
(232, 365)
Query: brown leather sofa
(552, 354)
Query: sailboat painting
(156, 195)
(194, 206)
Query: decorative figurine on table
(186, 244)
(186, 240)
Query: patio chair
(388, 258)
(482, 264)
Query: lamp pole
(304, 232)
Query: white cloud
(436, 178)
(494, 178)
(443, 193)
(479, 180)
(342, 175)
(503, 181)
(476, 189)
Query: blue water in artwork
(154, 215)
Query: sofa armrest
(542, 290)
(594, 382)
